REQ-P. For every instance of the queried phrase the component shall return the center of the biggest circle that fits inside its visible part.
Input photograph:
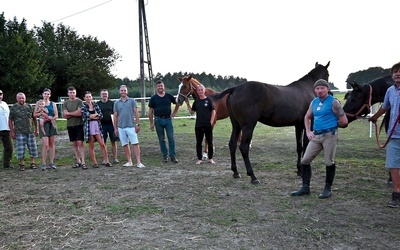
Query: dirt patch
(185, 206)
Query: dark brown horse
(272, 105)
(188, 86)
(359, 101)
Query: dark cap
(321, 82)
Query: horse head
(358, 101)
(320, 71)
(186, 88)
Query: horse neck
(378, 91)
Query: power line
(81, 11)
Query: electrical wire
(77, 13)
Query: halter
(367, 105)
(192, 88)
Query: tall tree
(81, 61)
(20, 61)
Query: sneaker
(140, 165)
(108, 164)
(104, 162)
(95, 165)
(199, 162)
(116, 161)
(165, 159)
(43, 167)
(52, 166)
(174, 160)
(211, 161)
(8, 166)
(127, 164)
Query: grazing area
(188, 206)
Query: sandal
(77, 165)
(33, 166)
(108, 164)
(95, 166)
(84, 166)
(21, 167)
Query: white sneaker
(116, 161)
(140, 165)
(127, 164)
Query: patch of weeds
(133, 211)
(229, 217)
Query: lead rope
(390, 135)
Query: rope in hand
(390, 135)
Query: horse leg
(247, 134)
(205, 152)
(299, 146)
(232, 149)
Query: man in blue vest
(326, 114)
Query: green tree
(81, 61)
(21, 64)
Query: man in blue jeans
(160, 109)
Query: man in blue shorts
(393, 146)
(125, 112)
(107, 108)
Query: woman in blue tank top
(50, 129)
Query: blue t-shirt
(392, 101)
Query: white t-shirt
(4, 114)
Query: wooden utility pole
(143, 27)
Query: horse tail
(385, 121)
(224, 93)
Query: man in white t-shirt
(5, 135)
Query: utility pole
(143, 27)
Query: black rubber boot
(306, 176)
(330, 176)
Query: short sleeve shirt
(72, 106)
(22, 116)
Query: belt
(324, 131)
(163, 117)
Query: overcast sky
(275, 42)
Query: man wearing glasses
(5, 135)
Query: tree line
(56, 57)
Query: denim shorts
(393, 153)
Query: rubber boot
(306, 177)
(330, 175)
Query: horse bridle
(366, 104)
(189, 93)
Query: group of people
(98, 121)
(90, 122)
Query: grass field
(186, 206)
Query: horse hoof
(255, 182)
(236, 176)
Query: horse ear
(327, 65)
(189, 77)
(355, 85)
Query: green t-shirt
(72, 106)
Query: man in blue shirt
(392, 101)
(326, 115)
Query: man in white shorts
(125, 112)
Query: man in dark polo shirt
(160, 109)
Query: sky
(275, 42)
